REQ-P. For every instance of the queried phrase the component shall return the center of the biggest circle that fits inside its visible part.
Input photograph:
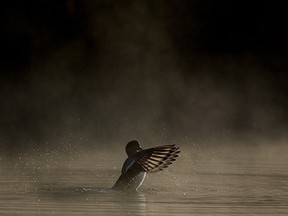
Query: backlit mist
(91, 75)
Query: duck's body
(140, 161)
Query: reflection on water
(243, 185)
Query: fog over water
(79, 79)
(96, 75)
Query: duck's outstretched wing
(149, 160)
(157, 158)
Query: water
(204, 183)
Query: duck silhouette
(141, 161)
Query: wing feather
(157, 158)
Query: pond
(213, 181)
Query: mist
(89, 76)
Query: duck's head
(132, 147)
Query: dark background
(81, 74)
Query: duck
(142, 161)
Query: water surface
(199, 183)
